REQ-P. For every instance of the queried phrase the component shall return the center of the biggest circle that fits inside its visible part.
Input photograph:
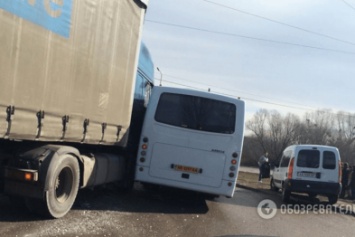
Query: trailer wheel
(63, 185)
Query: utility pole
(161, 75)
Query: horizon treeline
(272, 132)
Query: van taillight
(290, 169)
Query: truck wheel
(272, 186)
(285, 195)
(63, 184)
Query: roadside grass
(251, 180)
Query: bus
(142, 91)
(191, 140)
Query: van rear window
(329, 161)
(308, 158)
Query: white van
(311, 169)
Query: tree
(319, 126)
(345, 136)
(273, 132)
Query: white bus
(191, 140)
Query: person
(348, 190)
(262, 161)
(344, 179)
(352, 184)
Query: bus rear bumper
(226, 187)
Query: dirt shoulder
(250, 180)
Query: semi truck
(75, 82)
(68, 87)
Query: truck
(74, 89)
(69, 85)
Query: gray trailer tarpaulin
(67, 69)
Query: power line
(179, 84)
(282, 23)
(248, 37)
(226, 89)
(304, 108)
(349, 5)
(301, 107)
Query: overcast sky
(286, 55)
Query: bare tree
(274, 132)
(344, 136)
(319, 125)
(257, 126)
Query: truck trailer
(68, 87)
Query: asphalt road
(166, 212)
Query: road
(107, 212)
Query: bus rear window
(196, 113)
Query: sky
(294, 56)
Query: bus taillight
(144, 148)
(233, 162)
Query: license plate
(307, 174)
(187, 169)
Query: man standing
(344, 179)
(262, 161)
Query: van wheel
(63, 184)
(285, 195)
(333, 199)
(312, 196)
(272, 186)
